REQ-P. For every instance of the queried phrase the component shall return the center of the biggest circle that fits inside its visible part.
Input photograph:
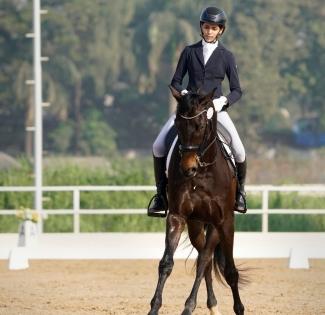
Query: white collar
(209, 45)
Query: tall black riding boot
(241, 194)
(158, 205)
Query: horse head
(196, 125)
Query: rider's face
(210, 31)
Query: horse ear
(175, 93)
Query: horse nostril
(190, 172)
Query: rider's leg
(159, 202)
(159, 157)
(240, 158)
(241, 195)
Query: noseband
(200, 149)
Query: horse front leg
(174, 228)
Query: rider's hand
(183, 92)
(219, 103)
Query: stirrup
(156, 214)
(240, 211)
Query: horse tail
(219, 264)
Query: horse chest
(195, 201)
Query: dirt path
(120, 287)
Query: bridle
(200, 149)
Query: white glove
(183, 92)
(219, 103)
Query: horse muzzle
(189, 164)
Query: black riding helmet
(213, 15)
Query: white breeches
(225, 126)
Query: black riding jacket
(210, 76)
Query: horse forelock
(187, 103)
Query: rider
(206, 63)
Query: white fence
(263, 190)
(298, 247)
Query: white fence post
(76, 210)
(265, 210)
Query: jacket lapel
(199, 52)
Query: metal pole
(38, 112)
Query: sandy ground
(123, 287)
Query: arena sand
(120, 287)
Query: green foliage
(121, 223)
(296, 201)
(97, 137)
(249, 223)
(121, 171)
(59, 223)
(296, 223)
(129, 49)
(61, 137)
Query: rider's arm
(180, 72)
(232, 75)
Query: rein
(198, 157)
(200, 154)
(192, 117)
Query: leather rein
(200, 150)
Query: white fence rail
(76, 211)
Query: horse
(201, 194)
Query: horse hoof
(186, 312)
(214, 311)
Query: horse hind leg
(204, 268)
(198, 240)
(211, 299)
(213, 236)
(202, 262)
(232, 276)
(230, 272)
(174, 229)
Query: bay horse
(201, 195)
